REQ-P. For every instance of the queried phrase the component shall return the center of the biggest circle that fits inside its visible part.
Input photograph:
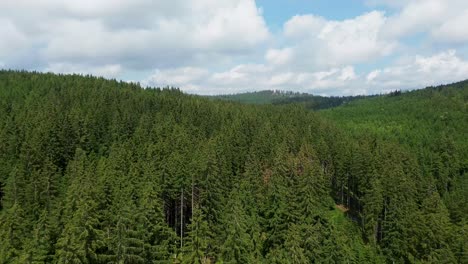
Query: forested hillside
(310, 101)
(100, 171)
(260, 97)
(431, 123)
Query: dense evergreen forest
(259, 97)
(313, 102)
(101, 171)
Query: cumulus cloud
(318, 42)
(176, 77)
(279, 56)
(442, 19)
(108, 71)
(212, 46)
(453, 30)
(300, 24)
(135, 33)
(416, 72)
(248, 77)
(415, 17)
(12, 38)
(444, 67)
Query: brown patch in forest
(267, 175)
(342, 208)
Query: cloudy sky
(328, 47)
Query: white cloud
(246, 77)
(372, 75)
(186, 43)
(302, 26)
(238, 76)
(444, 67)
(230, 26)
(454, 29)
(443, 19)
(176, 77)
(317, 42)
(416, 72)
(347, 74)
(281, 79)
(329, 80)
(136, 33)
(415, 17)
(74, 39)
(108, 71)
(356, 40)
(279, 56)
(12, 38)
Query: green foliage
(12, 234)
(419, 155)
(313, 102)
(260, 97)
(197, 246)
(100, 171)
(238, 246)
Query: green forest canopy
(101, 171)
(310, 101)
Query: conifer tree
(12, 234)
(196, 248)
(80, 238)
(37, 249)
(238, 246)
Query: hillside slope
(432, 123)
(439, 110)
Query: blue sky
(216, 47)
(276, 13)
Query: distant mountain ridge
(278, 97)
(317, 102)
(259, 97)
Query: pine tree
(373, 205)
(294, 245)
(37, 249)
(81, 237)
(311, 192)
(159, 239)
(127, 244)
(125, 230)
(12, 234)
(238, 246)
(213, 187)
(196, 248)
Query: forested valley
(104, 171)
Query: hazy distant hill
(260, 97)
(310, 101)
